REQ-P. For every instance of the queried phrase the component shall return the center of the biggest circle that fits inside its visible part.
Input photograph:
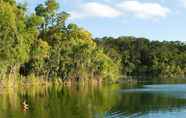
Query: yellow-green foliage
(15, 38)
(57, 50)
(42, 44)
(40, 50)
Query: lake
(102, 101)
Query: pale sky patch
(183, 2)
(144, 10)
(94, 9)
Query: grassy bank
(12, 81)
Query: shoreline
(15, 82)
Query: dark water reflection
(109, 101)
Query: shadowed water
(106, 101)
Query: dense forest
(44, 45)
(140, 56)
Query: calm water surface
(111, 101)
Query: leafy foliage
(65, 51)
(42, 44)
(143, 57)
